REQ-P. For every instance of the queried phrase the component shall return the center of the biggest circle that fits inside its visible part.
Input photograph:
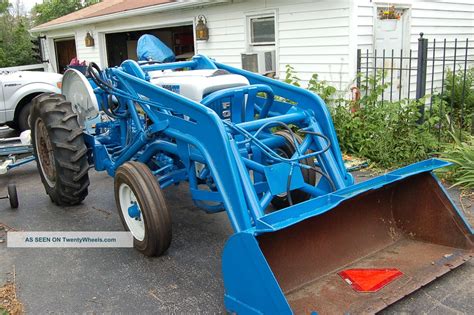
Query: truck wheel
(59, 149)
(23, 118)
(12, 196)
(142, 208)
(281, 201)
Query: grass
(461, 154)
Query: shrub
(386, 133)
(461, 154)
(458, 97)
(389, 134)
(322, 88)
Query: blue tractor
(264, 151)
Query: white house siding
(443, 20)
(312, 35)
(437, 20)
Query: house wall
(311, 35)
(440, 19)
(437, 20)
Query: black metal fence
(439, 72)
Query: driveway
(187, 279)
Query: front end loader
(306, 237)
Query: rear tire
(59, 148)
(150, 221)
(12, 196)
(309, 176)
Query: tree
(15, 40)
(53, 9)
(4, 5)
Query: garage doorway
(65, 52)
(123, 46)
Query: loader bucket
(400, 221)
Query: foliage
(4, 5)
(322, 88)
(15, 40)
(390, 13)
(458, 96)
(291, 77)
(386, 133)
(462, 155)
(53, 9)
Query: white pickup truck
(17, 89)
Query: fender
(28, 89)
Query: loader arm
(267, 153)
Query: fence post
(359, 66)
(421, 68)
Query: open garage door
(65, 52)
(123, 46)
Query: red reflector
(369, 280)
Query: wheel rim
(136, 225)
(45, 152)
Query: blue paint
(134, 211)
(183, 140)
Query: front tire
(142, 208)
(23, 118)
(59, 148)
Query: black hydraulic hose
(288, 185)
(317, 134)
(330, 181)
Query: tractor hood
(196, 84)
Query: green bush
(456, 103)
(386, 133)
(458, 97)
(461, 154)
(389, 134)
(322, 88)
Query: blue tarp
(150, 47)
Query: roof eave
(125, 14)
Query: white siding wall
(365, 24)
(312, 35)
(315, 39)
(437, 20)
(441, 20)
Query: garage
(65, 49)
(122, 46)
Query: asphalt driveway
(187, 279)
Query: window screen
(262, 30)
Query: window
(262, 30)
